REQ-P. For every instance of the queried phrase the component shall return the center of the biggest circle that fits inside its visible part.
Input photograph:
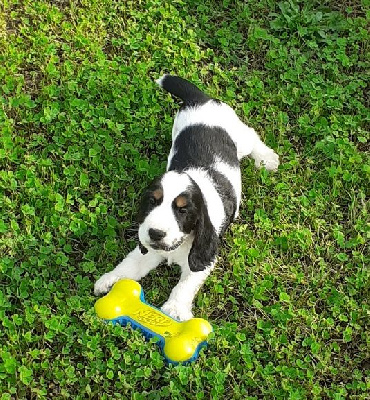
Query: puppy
(185, 211)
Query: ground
(84, 128)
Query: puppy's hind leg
(250, 144)
(263, 156)
(135, 266)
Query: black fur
(227, 193)
(204, 248)
(147, 204)
(198, 145)
(187, 217)
(184, 90)
(143, 249)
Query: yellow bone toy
(179, 341)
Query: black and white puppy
(185, 211)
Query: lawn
(84, 129)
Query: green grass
(83, 131)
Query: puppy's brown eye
(152, 200)
(182, 210)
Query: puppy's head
(171, 210)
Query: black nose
(156, 234)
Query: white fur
(180, 302)
(246, 139)
(213, 200)
(264, 156)
(162, 217)
(136, 265)
(233, 175)
(160, 80)
(221, 115)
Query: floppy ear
(140, 216)
(204, 249)
(143, 208)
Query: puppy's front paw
(103, 284)
(177, 311)
(269, 160)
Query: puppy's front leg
(135, 266)
(180, 302)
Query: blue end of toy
(148, 334)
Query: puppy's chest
(180, 255)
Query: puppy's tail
(183, 89)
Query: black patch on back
(197, 145)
